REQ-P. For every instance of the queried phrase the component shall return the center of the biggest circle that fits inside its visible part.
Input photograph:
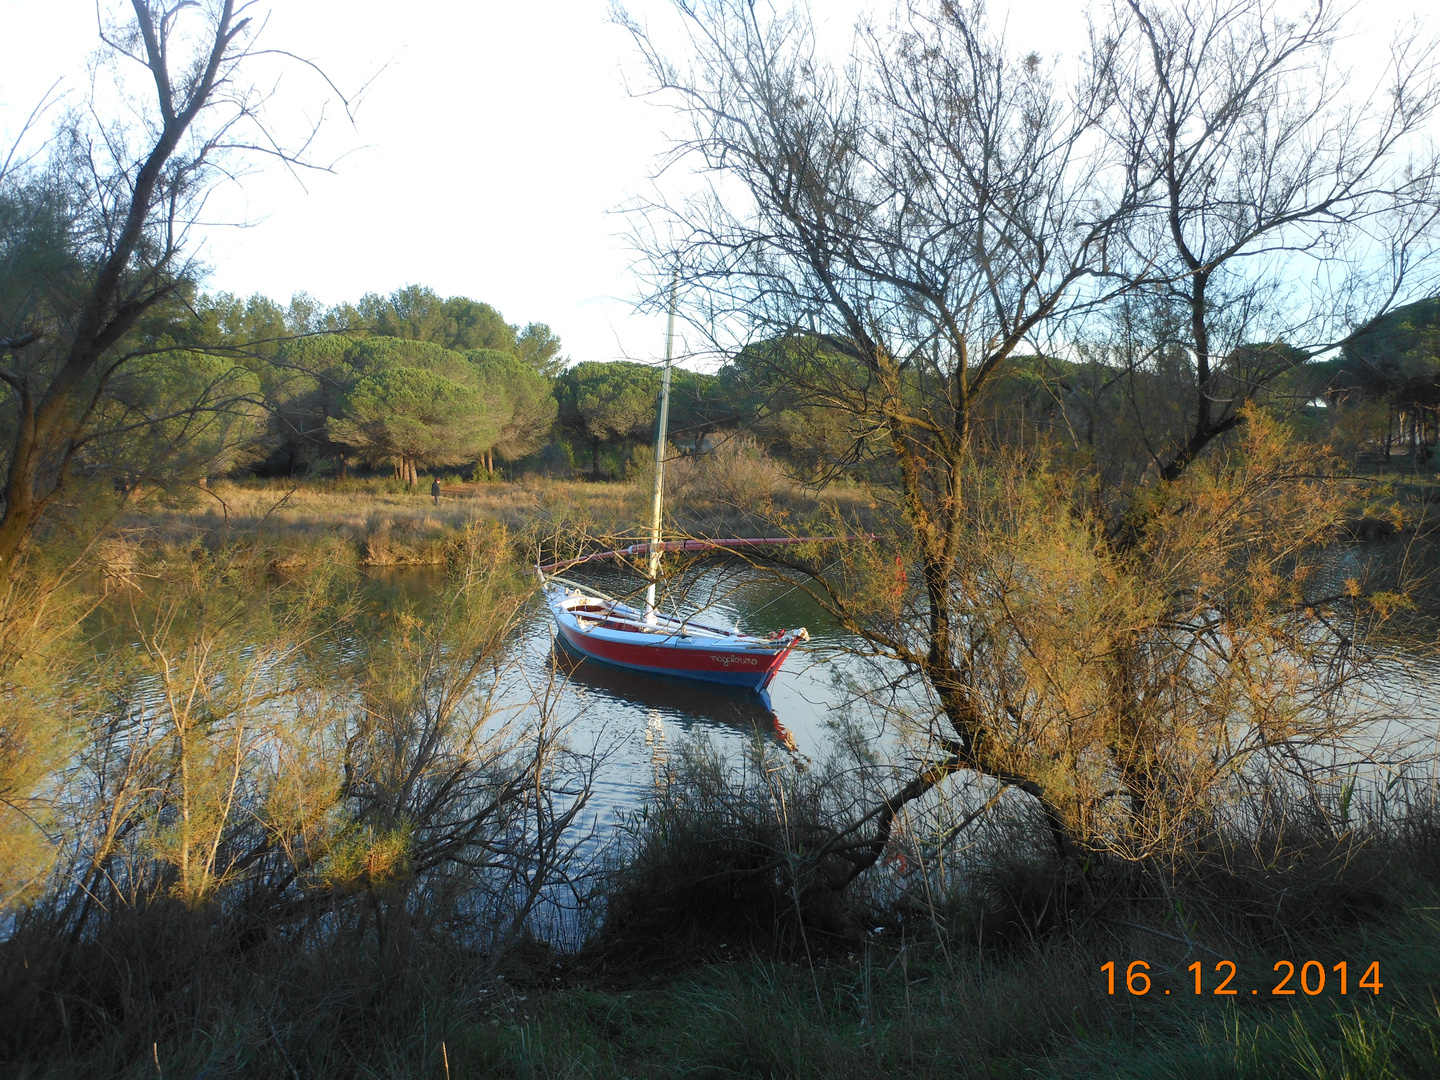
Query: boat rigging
(610, 631)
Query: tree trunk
(20, 503)
(48, 428)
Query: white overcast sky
(487, 159)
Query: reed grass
(379, 523)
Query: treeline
(409, 382)
(413, 382)
(1385, 385)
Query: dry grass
(371, 523)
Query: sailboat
(603, 628)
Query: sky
(490, 154)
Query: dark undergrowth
(894, 1005)
(725, 973)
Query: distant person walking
(435, 490)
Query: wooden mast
(660, 432)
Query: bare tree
(107, 223)
(892, 235)
(1289, 208)
(885, 242)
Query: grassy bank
(1407, 502)
(914, 1009)
(888, 1007)
(380, 523)
(372, 523)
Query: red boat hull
(613, 633)
(753, 668)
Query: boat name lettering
(728, 660)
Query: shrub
(272, 766)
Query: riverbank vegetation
(1132, 431)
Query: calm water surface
(636, 720)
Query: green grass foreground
(899, 1010)
(891, 1008)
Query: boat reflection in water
(731, 706)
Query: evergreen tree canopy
(608, 402)
(540, 348)
(415, 417)
(417, 313)
(785, 388)
(1396, 360)
(523, 400)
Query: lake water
(636, 720)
